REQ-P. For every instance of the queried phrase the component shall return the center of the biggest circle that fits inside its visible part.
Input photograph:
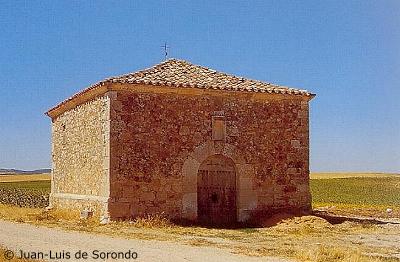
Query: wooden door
(216, 191)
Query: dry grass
(38, 215)
(23, 178)
(156, 221)
(322, 253)
(18, 214)
(324, 241)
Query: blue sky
(347, 52)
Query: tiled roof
(182, 74)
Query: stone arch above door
(246, 191)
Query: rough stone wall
(80, 150)
(152, 135)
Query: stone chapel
(183, 140)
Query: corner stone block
(106, 163)
(231, 152)
(189, 172)
(203, 151)
(189, 204)
(198, 153)
(247, 200)
(304, 104)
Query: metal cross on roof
(166, 47)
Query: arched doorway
(216, 191)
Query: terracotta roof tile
(180, 73)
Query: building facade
(182, 140)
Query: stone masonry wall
(80, 157)
(152, 135)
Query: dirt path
(30, 238)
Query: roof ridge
(241, 78)
(139, 71)
(252, 83)
(217, 71)
(225, 73)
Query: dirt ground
(307, 238)
(65, 245)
